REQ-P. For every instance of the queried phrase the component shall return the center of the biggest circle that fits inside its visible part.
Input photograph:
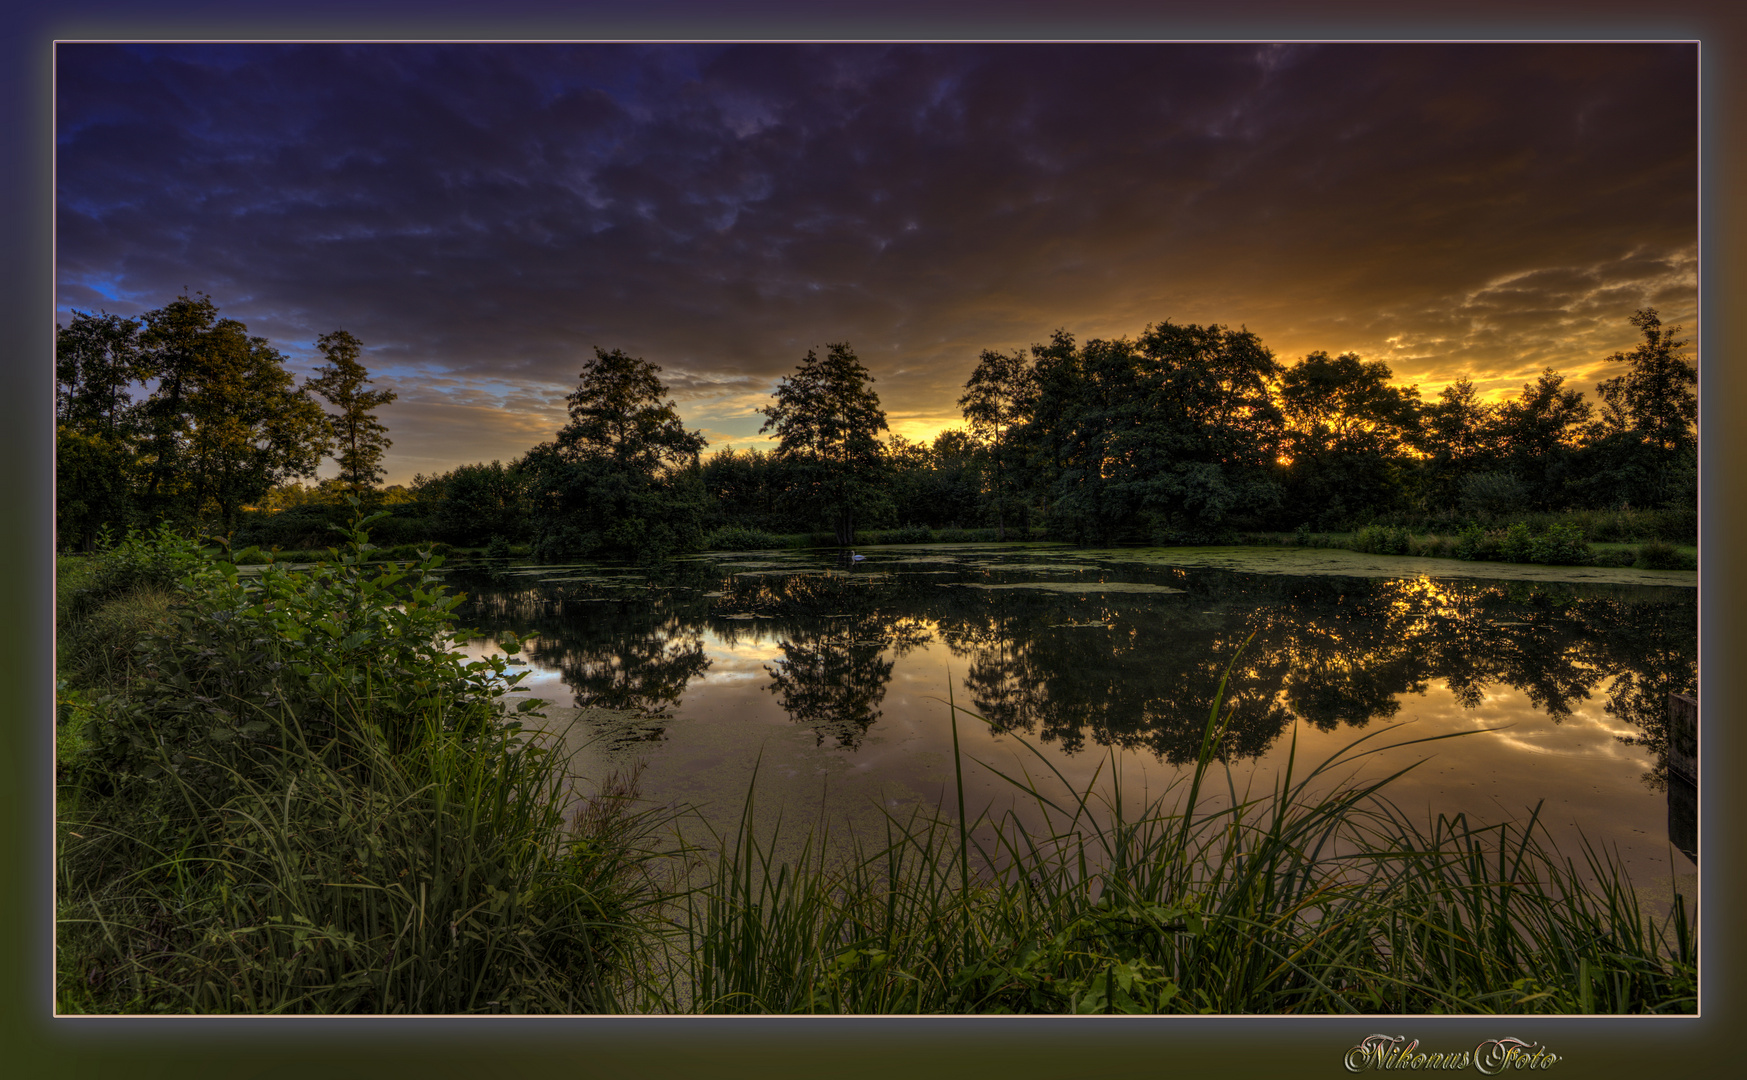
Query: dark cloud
(482, 216)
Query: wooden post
(1683, 773)
(1683, 736)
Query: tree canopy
(358, 437)
(827, 418)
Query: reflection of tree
(1137, 670)
(1654, 654)
(625, 647)
(835, 632)
(1329, 651)
(832, 682)
(648, 672)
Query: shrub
(1471, 544)
(1560, 545)
(1616, 557)
(1659, 555)
(308, 803)
(1492, 494)
(1518, 542)
(345, 647)
(734, 538)
(1378, 540)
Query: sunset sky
(482, 216)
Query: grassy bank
(1552, 544)
(281, 792)
(284, 794)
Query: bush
(1616, 557)
(1518, 542)
(734, 538)
(1560, 545)
(1378, 540)
(1658, 555)
(346, 648)
(1492, 494)
(307, 803)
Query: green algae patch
(1310, 562)
(1078, 586)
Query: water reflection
(1077, 665)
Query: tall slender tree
(97, 363)
(997, 398)
(359, 438)
(827, 419)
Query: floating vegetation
(1078, 586)
(1317, 562)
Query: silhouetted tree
(998, 397)
(359, 438)
(1536, 434)
(1348, 428)
(622, 477)
(827, 419)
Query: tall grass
(1318, 897)
(300, 801)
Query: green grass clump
(741, 539)
(1659, 555)
(1283, 904)
(299, 799)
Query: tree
(827, 419)
(97, 429)
(620, 411)
(225, 423)
(248, 428)
(622, 478)
(1453, 440)
(1644, 446)
(1162, 439)
(97, 359)
(360, 439)
(1537, 433)
(998, 396)
(1348, 428)
(1657, 399)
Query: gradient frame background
(32, 1043)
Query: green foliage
(737, 539)
(359, 438)
(827, 418)
(306, 803)
(1657, 555)
(1517, 543)
(1188, 908)
(221, 426)
(1560, 545)
(622, 477)
(1492, 494)
(1381, 540)
(344, 647)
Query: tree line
(183, 416)
(1182, 434)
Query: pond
(828, 676)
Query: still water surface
(829, 677)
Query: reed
(1316, 897)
